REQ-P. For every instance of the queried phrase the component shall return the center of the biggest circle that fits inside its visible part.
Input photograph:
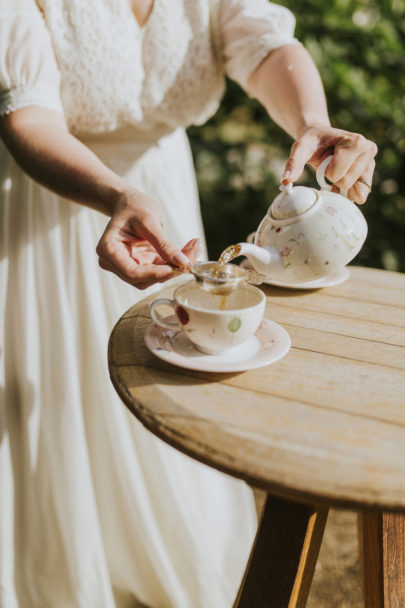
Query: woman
(95, 97)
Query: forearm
(41, 144)
(288, 85)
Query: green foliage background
(239, 154)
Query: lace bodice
(92, 61)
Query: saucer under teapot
(307, 234)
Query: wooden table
(325, 426)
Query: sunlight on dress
(95, 511)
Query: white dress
(94, 510)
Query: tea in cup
(213, 323)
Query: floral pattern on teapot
(307, 233)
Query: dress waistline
(120, 150)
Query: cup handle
(158, 320)
(320, 176)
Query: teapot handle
(320, 176)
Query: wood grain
(283, 558)
(382, 553)
(324, 424)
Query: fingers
(362, 187)
(143, 253)
(115, 257)
(302, 151)
(152, 230)
(135, 260)
(135, 247)
(353, 160)
(143, 276)
(345, 169)
(192, 249)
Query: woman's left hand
(351, 168)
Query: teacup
(213, 323)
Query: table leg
(283, 557)
(382, 556)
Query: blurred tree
(358, 46)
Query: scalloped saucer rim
(270, 343)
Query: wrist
(115, 198)
(309, 121)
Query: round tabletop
(325, 424)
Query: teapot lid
(292, 201)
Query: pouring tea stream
(307, 234)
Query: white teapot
(307, 234)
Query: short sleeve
(250, 30)
(28, 70)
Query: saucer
(337, 277)
(269, 344)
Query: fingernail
(285, 175)
(197, 244)
(192, 243)
(180, 259)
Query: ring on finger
(363, 181)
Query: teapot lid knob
(292, 201)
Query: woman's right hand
(135, 247)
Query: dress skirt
(95, 512)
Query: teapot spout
(265, 260)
